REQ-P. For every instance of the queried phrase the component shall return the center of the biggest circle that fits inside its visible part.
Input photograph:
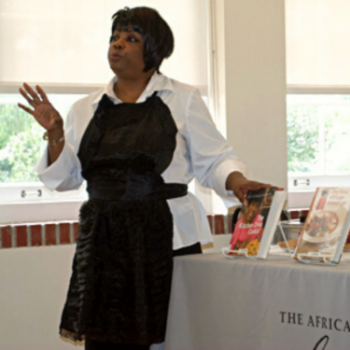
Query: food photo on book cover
(326, 226)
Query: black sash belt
(135, 187)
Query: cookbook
(326, 227)
(255, 229)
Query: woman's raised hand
(43, 111)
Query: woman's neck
(129, 90)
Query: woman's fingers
(42, 94)
(258, 185)
(29, 100)
(32, 93)
(28, 110)
(240, 194)
(32, 97)
(24, 94)
(41, 110)
(249, 186)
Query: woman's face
(125, 54)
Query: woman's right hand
(43, 111)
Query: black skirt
(120, 286)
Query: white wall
(34, 284)
(255, 85)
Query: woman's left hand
(240, 185)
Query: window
(318, 100)
(62, 45)
(21, 144)
(318, 137)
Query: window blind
(66, 41)
(318, 42)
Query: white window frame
(301, 195)
(211, 202)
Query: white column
(254, 58)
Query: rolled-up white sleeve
(65, 173)
(221, 173)
(212, 158)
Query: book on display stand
(254, 231)
(326, 227)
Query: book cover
(326, 227)
(255, 229)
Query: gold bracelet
(52, 142)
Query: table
(273, 304)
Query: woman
(137, 142)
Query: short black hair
(157, 36)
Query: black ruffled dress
(120, 285)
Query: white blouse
(201, 152)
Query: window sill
(40, 210)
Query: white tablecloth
(273, 304)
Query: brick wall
(66, 232)
(38, 234)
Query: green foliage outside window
(20, 145)
(318, 135)
(302, 138)
(337, 140)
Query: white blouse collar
(158, 82)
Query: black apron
(120, 286)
